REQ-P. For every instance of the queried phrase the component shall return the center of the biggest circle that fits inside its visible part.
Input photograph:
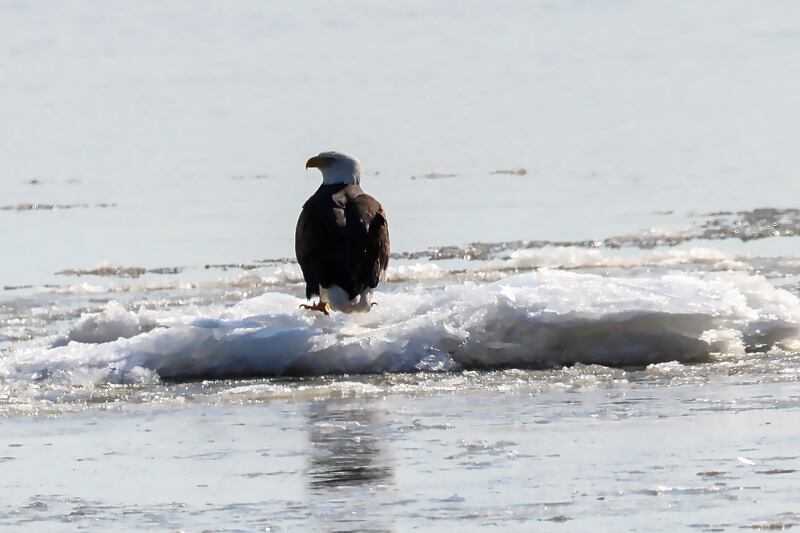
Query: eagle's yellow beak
(319, 162)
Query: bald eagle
(342, 238)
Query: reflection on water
(347, 448)
(349, 477)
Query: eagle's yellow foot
(319, 306)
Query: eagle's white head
(337, 167)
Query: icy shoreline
(542, 319)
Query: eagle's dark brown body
(342, 238)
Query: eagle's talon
(373, 304)
(319, 306)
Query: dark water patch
(775, 471)
(434, 176)
(53, 207)
(559, 519)
(118, 271)
(254, 475)
(769, 525)
(712, 474)
(16, 287)
(712, 528)
(276, 261)
(519, 171)
(233, 266)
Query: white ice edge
(540, 319)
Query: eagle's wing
(372, 268)
(308, 245)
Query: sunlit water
(592, 316)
